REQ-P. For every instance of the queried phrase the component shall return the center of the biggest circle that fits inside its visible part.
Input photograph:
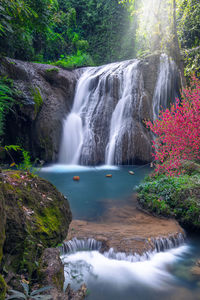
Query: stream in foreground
(165, 275)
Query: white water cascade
(165, 89)
(105, 123)
(113, 274)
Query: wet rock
(76, 295)
(37, 217)
(195, 271)
(51, 272)
(45, 97)
(2, 239)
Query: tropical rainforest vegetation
(96, 32)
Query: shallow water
(165, 276)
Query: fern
(27, 295)
(6, 100)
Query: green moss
(37, 99)
(48, 221)
(52, 70)
(2, 288)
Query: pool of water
(90, 196)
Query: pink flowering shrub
(177, 132)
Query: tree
(177, 134)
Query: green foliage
(107, 27)
(172, 197)
(73, 61)
(48, 29)
(26, 164)
(188, 14)
(192, 62)
(6, 100)
(27, 295)
(188, 21)
(52, 70)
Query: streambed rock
(126, 229)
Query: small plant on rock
(28, 295)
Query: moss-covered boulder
(37, 217)
(177, 197)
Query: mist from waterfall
(105, 124)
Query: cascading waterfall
(165, 90)
(83, 263)
(122, 117)
(105, 123)
(157, 245)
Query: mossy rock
(2, 288)
(2, 224)
(38, 217)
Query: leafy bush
(80, 59)
(26, 164)
(177, 132)
(173, 197)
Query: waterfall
(75, 244)
(122, 119)
(166, 86)
(157, 245)
(105, 124)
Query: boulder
(51, 273)
(37, 217)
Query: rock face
(51, 272)
(37, 217)
(45, 96)
(2, 239)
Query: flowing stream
(164, 273)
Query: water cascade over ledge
(105, 124)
